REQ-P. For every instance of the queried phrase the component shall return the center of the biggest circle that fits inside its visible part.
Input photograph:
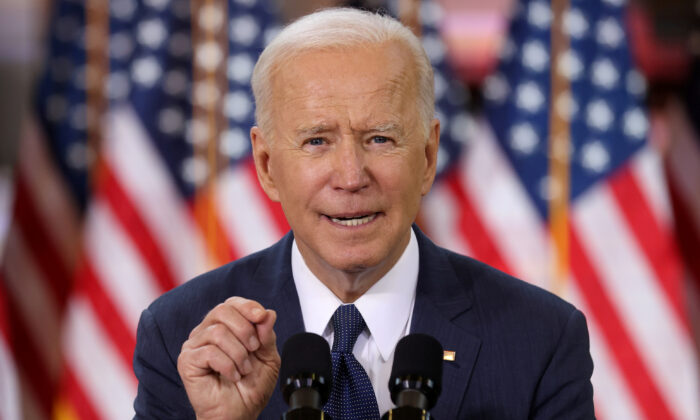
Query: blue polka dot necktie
(352, 395)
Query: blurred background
(569, 157)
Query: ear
(262, 157)
(431, 153)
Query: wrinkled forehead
(380, 72)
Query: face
(347, 156)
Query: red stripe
(132, 223)
(75, 395)
(471, 227)
(274, 209)
(41, 246)
(687, 232)
(655, 242)
(122, 337)
(634, 371)
(29, 361)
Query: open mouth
(353, 221)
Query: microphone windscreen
(306, 354)
(418, 355)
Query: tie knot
(347, 326)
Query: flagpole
(559, 147)
(210, 49)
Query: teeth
(354, 222)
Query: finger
(220, 336)
(250, 309)
(230, 314)
(266, 334)
(205, 360)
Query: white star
(524, 138)
(636, 124)
(599, 115)
(461, 127)
(440, 86)
(270, 33)
(594, 156)
(67, 29)
(56, 107)
(442, 159)
(208, 55)
(434, 48)
(61, 69)
(79, 78)
(181, 9)
(237, 105)
(171, 121)
(605, 74)
(156, 4)
(246, 2)
(179, 44)
(456, 94)
(78, 155)
(146, 71)
(210, 17)
(535, 56)
(575, 23)
(569, 65)
(234, 143)
(118, 86)
(152, 33)
(121, 45)
(195, 170)
(431, 13)
(243, 29)
(565, 105)
(175, 82)
(205, 93)
(529, 97)
(78, 117)
(609, 33)
(122, 9)
(550, 188)
(240, 68)
(616, 3)
(636, 84)
(539, 14)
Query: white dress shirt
(386, 308)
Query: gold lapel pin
(448, 355)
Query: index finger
(236, 306)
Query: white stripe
(57, 212)
(142, 173)
(647, 168)
(118, 265)
(612, 398)
(642, 306)
(30, 407)
(97, 367)
(245, 218)
(27, 286)
(504, 208)
(9, 384)
(441, 218)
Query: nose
(350, 172)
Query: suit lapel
(442, 310)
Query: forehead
(374, 80)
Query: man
(347, 143)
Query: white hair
(333, 29)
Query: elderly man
(347, 143)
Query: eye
(316, 141)
(380, 140)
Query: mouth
(352, 221)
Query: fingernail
(254, 343)
(247, 366)
(257, 312)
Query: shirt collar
(395, 291)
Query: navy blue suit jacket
(521, 352)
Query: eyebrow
(313, 130)
(324, 128)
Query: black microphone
(305, 376)
(416, 377)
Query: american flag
(560, 186)
(105, 223)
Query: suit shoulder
(509, 293)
